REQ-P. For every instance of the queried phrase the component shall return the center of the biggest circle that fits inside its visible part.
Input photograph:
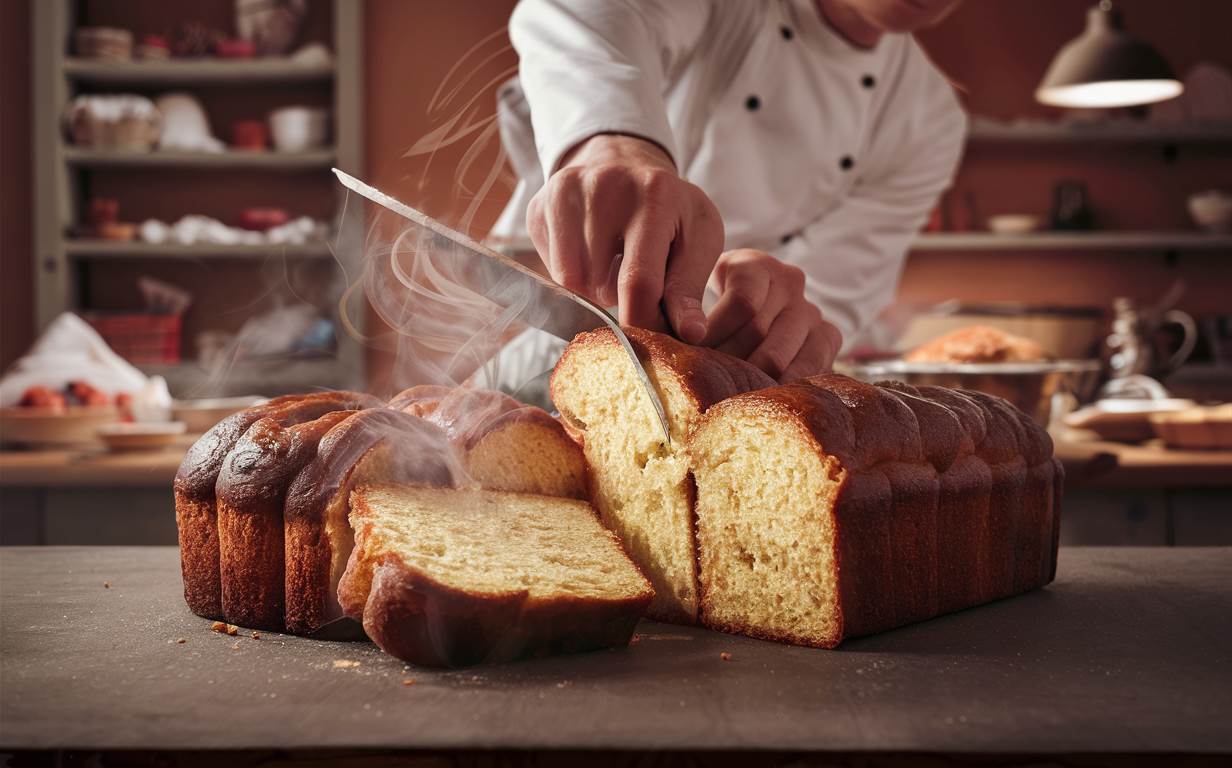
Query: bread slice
(504, 444)
(377, 445)
(451, 577)
(829, 508)
(640, 485)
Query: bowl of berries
(60, 418)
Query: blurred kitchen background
(165, 179)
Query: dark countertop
(1127, 652)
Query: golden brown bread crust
(252, 489)
(471, 416)
(978, 344)
(706, 376)
(950, 498)
(421, 455)
(410, 615)
(194, 487)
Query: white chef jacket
(828, 156)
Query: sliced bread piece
(640, 485)
(451, 577)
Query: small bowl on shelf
(1015, 223)
(141, 435)
(58, 427)
(1211, 210)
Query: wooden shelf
(1122, 131)
(1073, 241)
(228, 160)
(196, 71)
(108, 249)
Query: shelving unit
(227, 160)
(1121, 131)
(1073, 241)
(107, 249)
(197, 71)
(63, 172)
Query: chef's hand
(617, 224)
(762, 316)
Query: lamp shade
(1105, 67)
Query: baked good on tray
(450, 577)
(978, 344)
(640, 485)
(504, 444)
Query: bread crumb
(345, 663)
(218, 626)
(635, 640)
(408, 681)
(256, 635)
(180, 641)
(232, 629)
(106, 585)
(236, 647)
(725, 656)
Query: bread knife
(534, 299)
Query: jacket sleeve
(854, 254)
(601, 66)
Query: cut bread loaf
(504, 444)
(829, 508)
(195, 487)
(640, 485)
(378, 445)
(451, 577)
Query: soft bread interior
(639, 484)
(527, 457)
(489, 542)
(765, 532)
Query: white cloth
(759, 104)
(70, 350)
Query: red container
(139, 337)
(249, 134)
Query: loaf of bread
(503, 444)
(195, 484)
(829, 508)
(640, 484)
(978, 344)
(814, 511)
(451, 577)
(262, 499)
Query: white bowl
(141, 435)
(298, 129)
(1212, 210)
(1014, 223)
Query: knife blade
(536, 300)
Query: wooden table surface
(1127, 652)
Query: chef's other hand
(617, 224)
(762, 316)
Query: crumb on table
(256, 635)
(725, 656)
(218, 626)
(106, 585)
(408, 681)
(345, 663)
(180, 641)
